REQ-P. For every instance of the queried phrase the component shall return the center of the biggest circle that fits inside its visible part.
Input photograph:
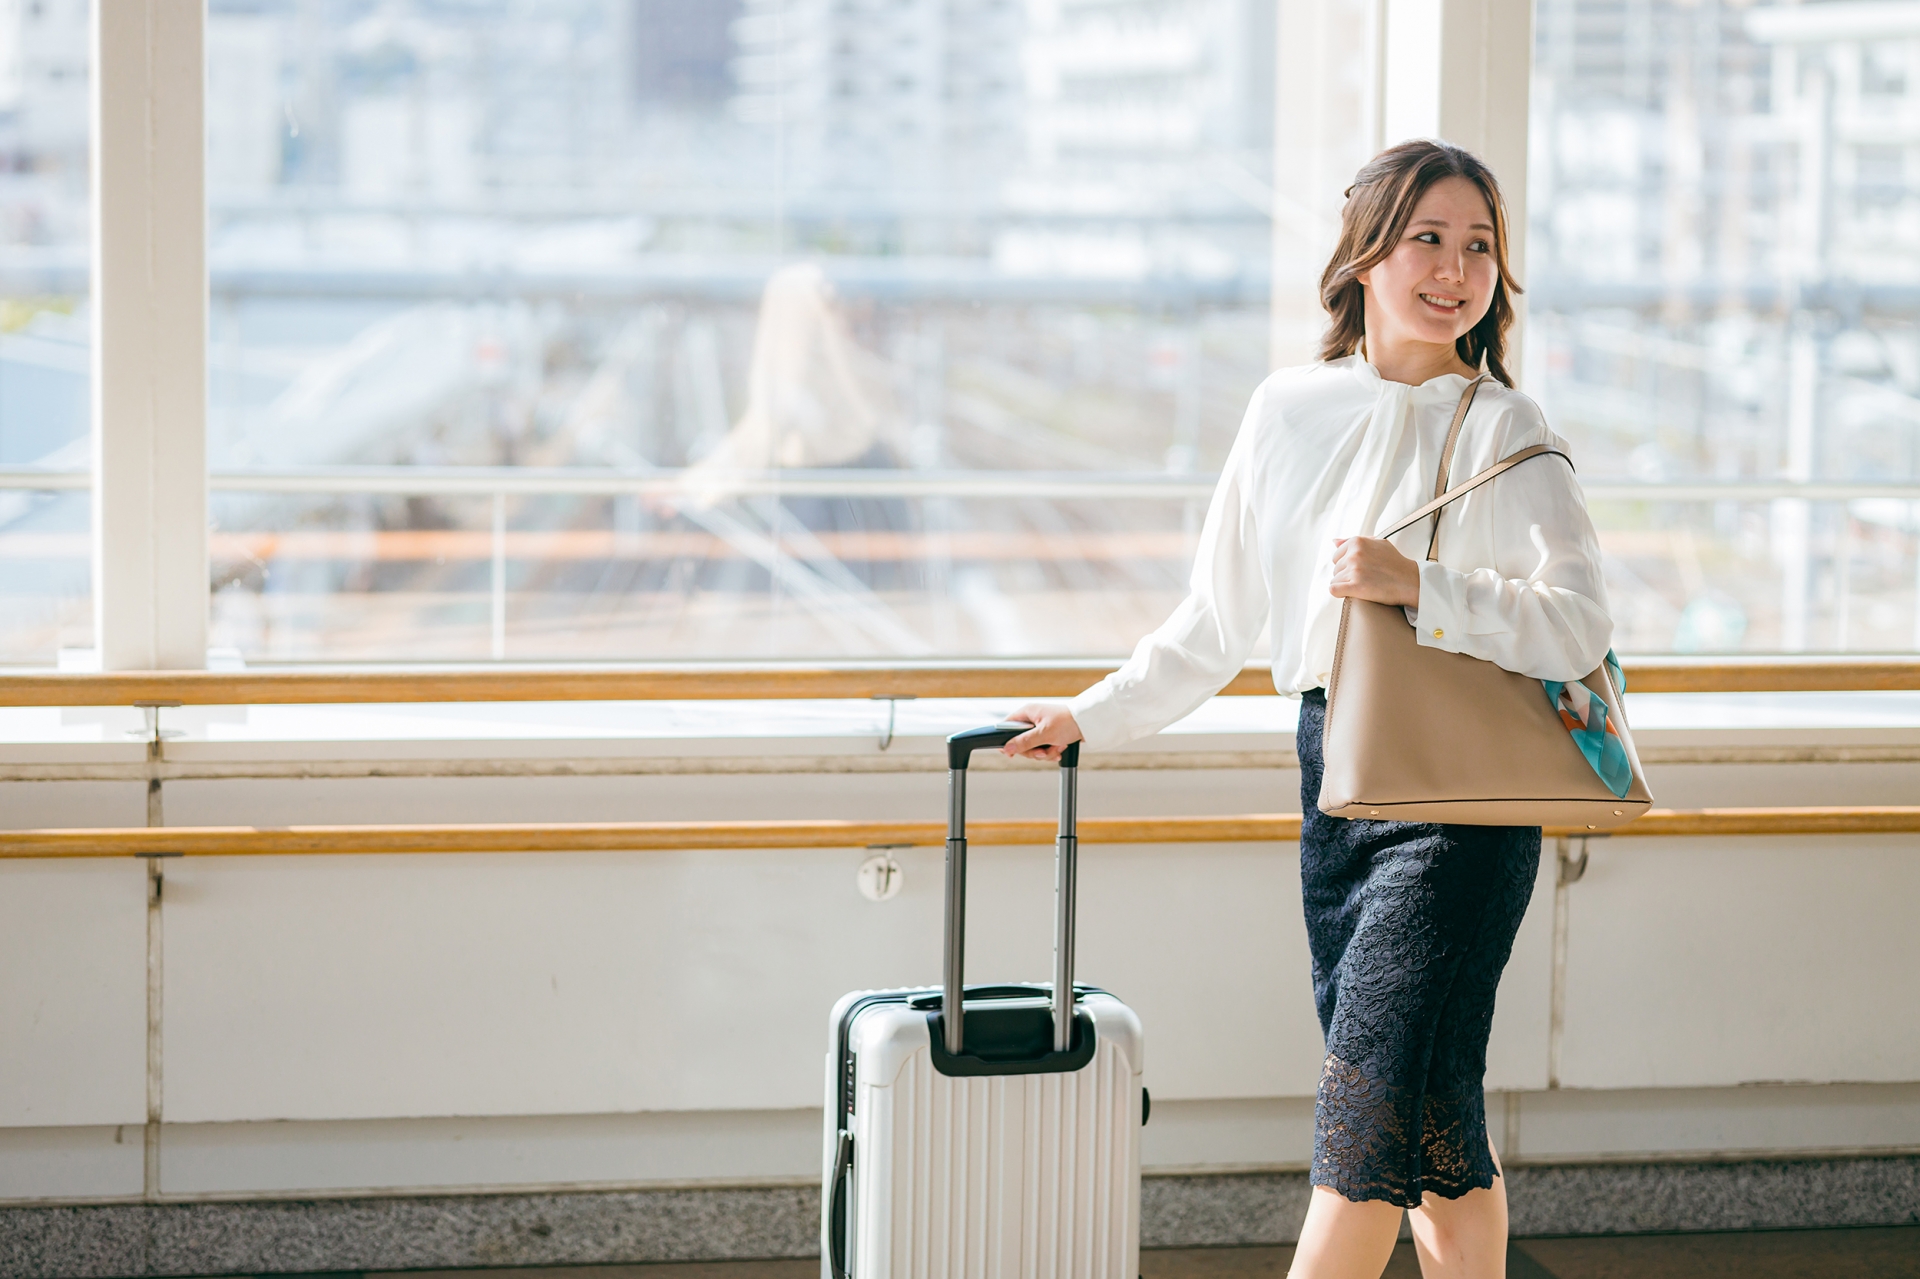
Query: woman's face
(1438, 282)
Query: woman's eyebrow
(1471, 226)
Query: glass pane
(45, 538)
(1725, 265)
(652, 329)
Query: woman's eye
(1428, 237)
(1480, 246)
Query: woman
(1409, 924)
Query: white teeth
(1449, 303)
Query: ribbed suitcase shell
(994, 1177)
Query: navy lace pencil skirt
(1410, 925)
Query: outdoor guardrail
(875, 482)
(497, 544)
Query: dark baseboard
(1574, 1199)
(294, 1236)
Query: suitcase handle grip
(961, 746)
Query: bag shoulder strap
(1453, 436)
(1441, 493)
(1493, 472)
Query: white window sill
(723, 732)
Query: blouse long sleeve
(1209, 636)
(1541, 610)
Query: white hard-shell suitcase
(1004, 1145)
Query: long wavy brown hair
(1379, 206)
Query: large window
(725, 328)
(730, 329)
(1725, 261)
(45, 595)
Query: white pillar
(1359, 75)
(1460, 71)
(149, 335)
(1325, 128)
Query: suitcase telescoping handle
(960, 748)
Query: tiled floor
(1891, 1253)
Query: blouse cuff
(1439, 620)
(1097, 712)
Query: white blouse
(1333, 450)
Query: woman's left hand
(1372, 568)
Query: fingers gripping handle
(960, 748)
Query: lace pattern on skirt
(1409, 926)
(1375, 1140)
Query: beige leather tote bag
(1419, 734)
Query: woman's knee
(1463, 1228)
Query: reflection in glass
(782, 328)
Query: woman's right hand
(1053, 729)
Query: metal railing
(694, 487)
(506, 481)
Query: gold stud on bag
(1419, 734)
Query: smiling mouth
(1445, 304)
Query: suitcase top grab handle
(960, 748)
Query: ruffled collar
(1447, 386)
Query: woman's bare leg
(1342, 1239)
(1464, 1238)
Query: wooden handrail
(239, 841)
(786, 681)
(1772, 674)
(559, 684)
(1881, 820)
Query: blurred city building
(44, 586)
(539, 237)
(1725, 272)
(882, 101)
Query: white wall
(352, 1022)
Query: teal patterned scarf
(1593, 732)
